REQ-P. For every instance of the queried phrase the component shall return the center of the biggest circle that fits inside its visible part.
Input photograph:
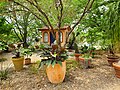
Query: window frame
(44, 37)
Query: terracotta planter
(117, 69)
(56, 74)
(77, 56)
(27, 61)
(112, 59)
(85, 63)
(18, 63)
(54, 46)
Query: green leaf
(41, 65)
(53, 64)
(60, 63)
(49, 63)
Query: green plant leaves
(48, 62)
(53, 63)
(3, 74)
(60, 63)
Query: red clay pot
(27, 61)
(77, 56)
(117, 69)
(84, 63)
(112, 59)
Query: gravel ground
(99, 77)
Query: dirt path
(100, 77)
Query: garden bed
(99, 77)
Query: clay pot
(77, 56)
(57, 74)
(85, 63)
(18, 63)
(27, 61)
(54, 46)
(117, 69)
(112, 59)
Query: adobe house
(48, 38)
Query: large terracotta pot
(18, 63)
(56, 74)
(117, 69)
(112, 59)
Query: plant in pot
(85, 61)
(17, 59)
(55, 63)
(27, 52)
(112, 57)
(77, 53)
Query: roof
(62, 28)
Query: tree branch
(44, 14)
(33, 13)
(16, 32)
(83, 14)
(15, 18)
(86, 9)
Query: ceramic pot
(27, 61)
(112, 59)
(18, 63)
(57, 73)
(117, 69)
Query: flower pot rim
(27, 58)
(18, 57)
(115, 65)
(112, 57)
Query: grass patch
(34, 67)
(71, 64)
(4, 74)
(3, 59)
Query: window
(61, 36)
(45, 37)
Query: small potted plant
(77, 53)
(112, 57)
(55, 62)
(17, 59)
(27, 52)
(85, 61)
